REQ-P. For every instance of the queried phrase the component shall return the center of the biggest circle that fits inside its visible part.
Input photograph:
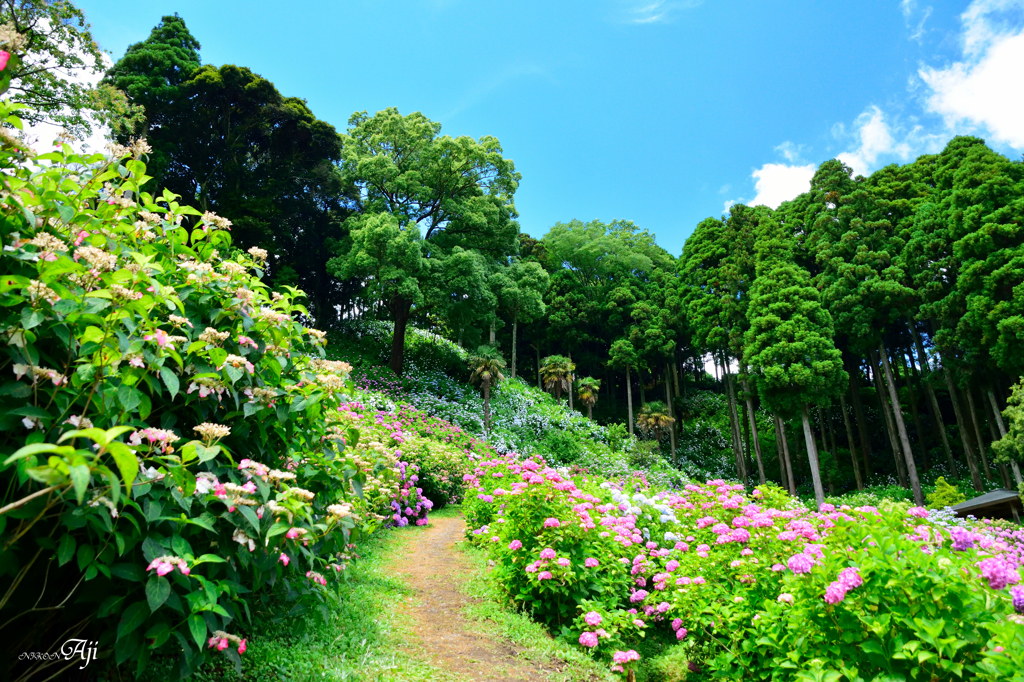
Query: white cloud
(778, 182)
(728, 205)
(875, 139)
(790, 151)
(986, 89)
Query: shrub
(171, 450)
(945, 495)
(751, 587)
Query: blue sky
(657, 111)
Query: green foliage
(55, 50)
(789, 343)
(457, 192)
(269, 166)
(1010, 448)
(167, 419)
(653, 420)
(945, 495)
(556, 372)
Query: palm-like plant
(556, 373)
(486, 365)
(586, 390)
(654, 420)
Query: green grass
(364, 640)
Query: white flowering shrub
(170, 449)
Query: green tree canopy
(455, 192)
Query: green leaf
(158, 589)
(129, 397)
(218, 356)
(132, 618)
(197, 626)
(126, 462)
(79, 474)
(66, 549)
(39, 449)
(31, 318)
(170, 380)
(278, 528)
(133, 572)
(209, 559)
(86, 554)
(250, 516)
(207, 453)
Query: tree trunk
(671, 413)
(570, 378)
(737, 443)
(515, 331)
(922, 441)
(908, 454)
(812, 457)
(1002, 432)
(828, 446)
(487, 406)
(778, 453)
(858, 414)
(492, 334)
(972, 464)
(590, 412)
(629, 399)
(933, 402)
(790, 478)
(401, 312)
(540, 384)
(977, 430)
(753, 430)
(993, 437)
(675, 375)
(850, 442)
(890, 429)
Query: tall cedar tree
(789, 343)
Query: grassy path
(418, 608)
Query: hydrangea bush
(171, 447)
(751, 586)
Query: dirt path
(436, 571)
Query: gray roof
(995, 497)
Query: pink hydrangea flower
(283, 558)
(588, 639)
(544, 575)
(552, 523)
(547, 553)
(515, 544)
(835, 593)
(590, 563)
(800, 563)
(592, 618)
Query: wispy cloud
(652, 11)
(915, 20)
(484, 89)
(790, 151)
